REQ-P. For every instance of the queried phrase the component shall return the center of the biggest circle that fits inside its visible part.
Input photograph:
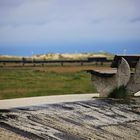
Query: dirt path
(21, 102)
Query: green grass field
(17, 83)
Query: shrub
(119, 93)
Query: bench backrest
(131, 59)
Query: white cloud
(70, 20)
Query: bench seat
(106, 73)
(99, 73)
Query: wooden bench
(98, 60)
(131, 59)
(107, 81)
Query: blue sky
(69, 26)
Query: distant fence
(97, 60)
